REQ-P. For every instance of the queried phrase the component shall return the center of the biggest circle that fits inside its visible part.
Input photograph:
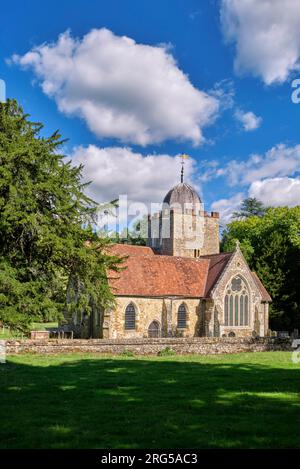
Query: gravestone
(39, 335)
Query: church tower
(182, 228)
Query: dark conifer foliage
(46, 235)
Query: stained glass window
(236, 303)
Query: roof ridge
(130, 245)
(217, 254)
(173, 258)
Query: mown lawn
(93, 401)
(6, 333)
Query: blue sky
(214, 81)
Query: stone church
(180, 285)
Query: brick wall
(199, 345)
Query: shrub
(165, 352)
(127, 353)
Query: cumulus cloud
(226, 207)
(265, 177)
(273, 192)
(224, 91)
(248, 120)
(266, 35)
(279, 161)
(118, 171)
(122, 89)
(277, 191)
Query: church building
(180, 285)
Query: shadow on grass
(140, 403)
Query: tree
(250, 207)
(46, 235)
(136, 234)
(271, 245)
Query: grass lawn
(6, 333)
(94, 401)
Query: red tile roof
(130, 250)
(161, 276)
(217, 264)
(149, 275)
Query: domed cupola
(182, 227)
(182, 194)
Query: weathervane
(183, 156)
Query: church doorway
(154, 330)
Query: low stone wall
(197, 345)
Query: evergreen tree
(46, 235)
(271, 245)
(250, 207)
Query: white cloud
(267, 178)
(266, 35)
(208, 170)
(226, 207)
(273, 192)
(248, 119)
(133, 92)
(277, 191)
(118, 171)
(224, 91)
(279, 161)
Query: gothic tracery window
(236, 303)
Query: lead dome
(182, 194)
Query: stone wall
(162, 310)
(211, 234)
(199, 345)
(258, 312)
(193, 233)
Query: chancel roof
(150, 275)
(147, 274)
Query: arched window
(236, 303)
(154, 330)
(130, 317)
(181, 317)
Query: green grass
(6, 333)
(93, 401)
(43, 326)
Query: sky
(132, 84)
